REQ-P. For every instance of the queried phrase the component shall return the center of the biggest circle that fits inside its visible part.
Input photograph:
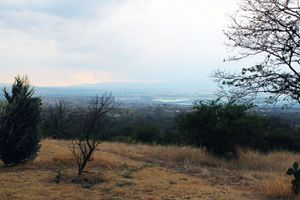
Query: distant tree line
(218, 127)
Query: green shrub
(147, 134)
(221, 127)
(19, 138)
(171, 136)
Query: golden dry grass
(278, 187)
(248, 159)
(123, 171)
(265, 171)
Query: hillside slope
(121, 171)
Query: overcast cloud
(66, 42)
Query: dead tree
(267, 29)
(60, 119)
(95, 124)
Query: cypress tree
(20, 114)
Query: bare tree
(95, 125)
(60, 119)
(267, 29)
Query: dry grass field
(122, 171)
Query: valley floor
(123, 171)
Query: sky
(72, 42)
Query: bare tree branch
(269, 28)
(96, 124)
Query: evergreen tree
(20, 113)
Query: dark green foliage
(295, 171)
(220, 127)
(19, 138)
(124, 134)
(280, 141)
(171, 136)
(147, 134)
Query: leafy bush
(147, 134)
(221, 127)
(19, 138)
(171, 136)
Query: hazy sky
(66, 42)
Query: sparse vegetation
(153, 170)
(227, 148)
(95, 125)
(218, 130)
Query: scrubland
(137, 171)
